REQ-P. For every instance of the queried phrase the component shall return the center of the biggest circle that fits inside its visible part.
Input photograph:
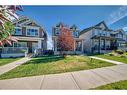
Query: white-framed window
(20, 44)
(95, 32)
(32, 32)
(57, 32)
(75, 33)
(18, 31)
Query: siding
(23, 31)
(87, 41)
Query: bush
(111, 54)
(119, 51)
(48, 52)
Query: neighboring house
(30, 36)
(121, 36)
(78, 43)
(101, 39)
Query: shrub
(119, 51)
(111, 54)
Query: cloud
(117, 15)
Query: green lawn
(53, 65)
(122, 85)
(115, 58)
(4, 61)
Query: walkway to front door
(10, 66)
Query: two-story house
(98, 39)
(78, 43)
(30, 36)
(121, 36)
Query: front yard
(115, 58)
(122, 85)
(4, 61)
(53, 65)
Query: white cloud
(117, 15)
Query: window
(57, 31)
(108, 33)
(32, 32)
(18, 31)
(95, 32)
(75, 34)
(20, 44)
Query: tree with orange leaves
(65, 40)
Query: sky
(81, 16)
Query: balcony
(100, 33)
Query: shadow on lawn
(44, 59)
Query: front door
(34, 46)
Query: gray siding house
(100, 39)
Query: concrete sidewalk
(85, 79)
(107, 60)
(10, 66)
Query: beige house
(78, 46)
(30, 36)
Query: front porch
(14, 52)
(78, 47)
(103, 44)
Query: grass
(115, 58)
(4, 61)
(121, 85)
(53, 65)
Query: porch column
(105, 44)
(39, 44)
(99, 49)
(74, 45)
(55, 44)
(82, 46)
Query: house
(100, 39)
(31, 36)
(78, 43)
(121, 36)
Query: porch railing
(123, 48)
(13, 50)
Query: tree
(7, 14)
(65, 40)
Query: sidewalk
(10, 66)
(111, 61)
(85, 79)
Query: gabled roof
(97, 26)
(59, 24)
(73, 26)
(121, 31)
(102, 22)
(25, 21)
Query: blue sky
(82, 16)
